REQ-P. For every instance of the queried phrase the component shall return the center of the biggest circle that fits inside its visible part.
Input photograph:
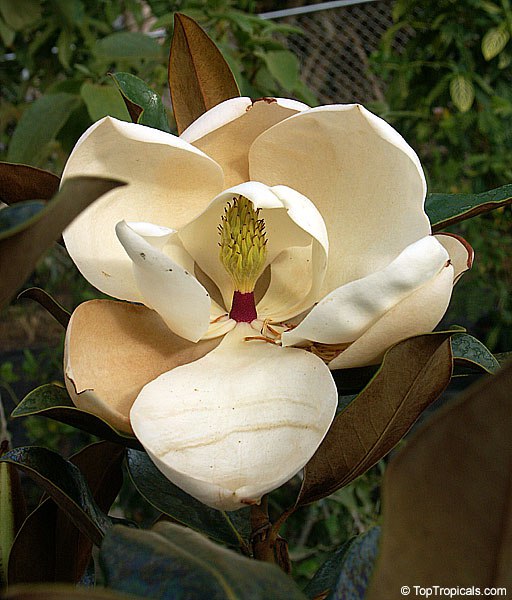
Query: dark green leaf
(20, 252)
(412, 375)
(53, 401)
(345, 574)
(469, 351)
(64, 483)
(49, 547)
(171, 500)
(13, 218)
(199, 77)
(127, 45)
(60, 314)
(174, 562)
(103, 100)
(447, 209)
(143, 104)
(39, 125)
(22, 182)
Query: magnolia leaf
(32, 557)
(12, 511)
(230, 528)
(64, 483)
(53, 401)
(462, 92)
(494, 41)
(22, 182)
(446, 209)
(447, 497)
(39, 125)
(60, 314)
(199, 77)
(13, 218)
(63, 592)
(413, 374)
(469, 351)
(20, 251)
(345, 575)
(48, 534)
(143, 104)
(123, 45)
(103, 100)
(187, 565)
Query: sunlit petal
(344, 314)
(170, 182)
(113, 349)
(165, 286)
(417, 314)
(237, 423)
(366, 181)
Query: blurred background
(439, 71)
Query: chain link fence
(335, 49)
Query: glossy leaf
(64, 483)
(53, 401)
(103, 100)
(63, 592)
(462, 92)
(13, 218)
(447, 498)
(171, 561)
(412, 375)
(20, 252)
(127, 45)
(60, 314)
(50, 539)
(494, 41)
(12, 511)
(229, 528)
(469, 351)
(446, 209)
(283, 66)
(143, 104)
(22, 182)
(199, 77)
(39, 125)
(346, 574)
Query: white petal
(170, 182)
(362, 176)
(417, 314)
(290, 220)
(166, 287)
(461, 253)
(344, 314)
(237, 423)
(227, 131)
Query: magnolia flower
(267, 245)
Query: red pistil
(243, 309)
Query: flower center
(243, 251)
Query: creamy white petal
(417, 314)
(461, 253)
(290, 220)
(170, 182)
(237, 423)
(344, 314)
(363, 177)
(166, 287)
(226, 131)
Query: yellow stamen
(243, 244)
